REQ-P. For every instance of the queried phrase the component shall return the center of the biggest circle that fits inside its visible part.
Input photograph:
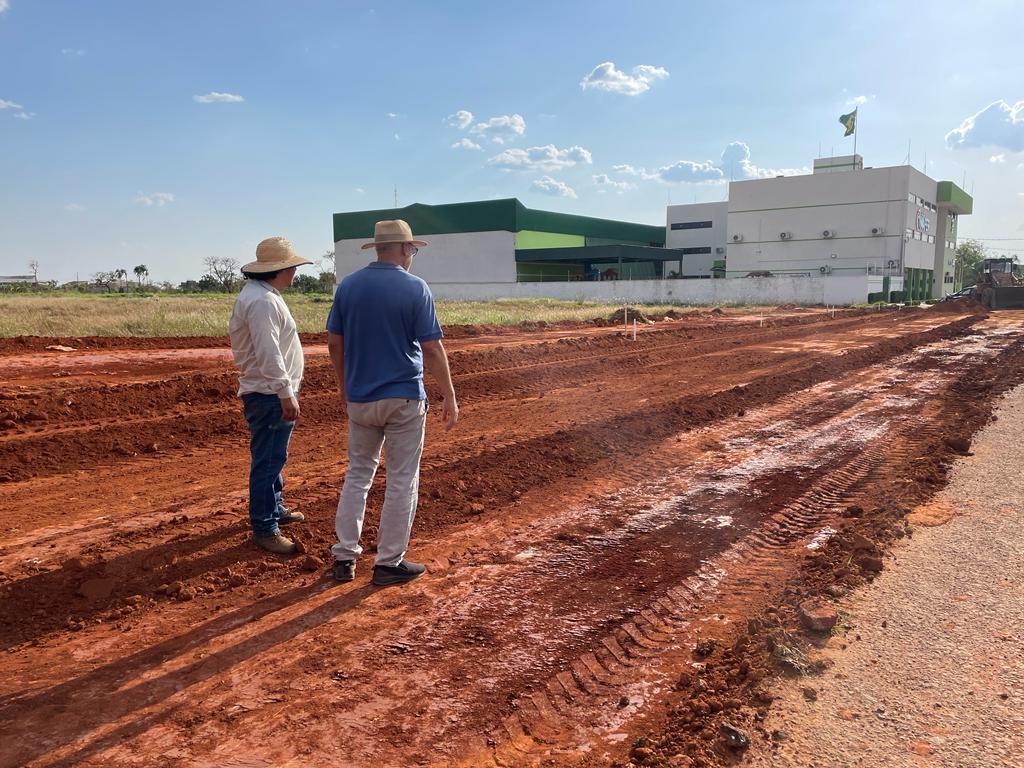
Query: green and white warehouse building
(843, 234)
(503, 243)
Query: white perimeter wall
(743, 290)
(465, 258)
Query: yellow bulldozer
(998, 286)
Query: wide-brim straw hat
(273, 254)
(393, 231)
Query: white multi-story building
(895, 225)
(697, 233)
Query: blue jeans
(269, 449)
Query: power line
(991, 239)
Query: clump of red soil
(628, 315)
(960, 306)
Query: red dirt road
(603, 505)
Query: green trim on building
(528, 239)
(507, 215)
(958, 200)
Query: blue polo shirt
(384, 313)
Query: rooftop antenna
(963, 184)
(907, 161)
(396, 195)
(926, 162)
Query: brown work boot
(277, 544)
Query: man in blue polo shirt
(381, 331)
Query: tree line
(221, 275)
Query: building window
(692, 225)
(912, 198)
(692, 251)
(931, 239)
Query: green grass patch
(207, 314)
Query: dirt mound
(959, 306)
(628, 315)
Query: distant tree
(306, 284)
(141, 271)
(34, 266)
(326, 280)
(104, 280)
(190, 286)
(222, 269)
(969, 255)
(210, 284)
(327, 262)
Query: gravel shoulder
(928, 667)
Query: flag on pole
(849, 121)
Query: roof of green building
(492, 215)
(956, 198)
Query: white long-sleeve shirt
(265, 342)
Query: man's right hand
(449, 412)
(289, 409)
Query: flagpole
(856, 125)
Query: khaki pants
(398, 425)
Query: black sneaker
(387, 575)
(344, 570)
(288, 516)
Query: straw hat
(396, 231)
(273, 254)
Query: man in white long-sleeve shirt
(266, 348)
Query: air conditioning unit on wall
(737, 238)
(876, 231)
(828, 233)
(825, 270)
(719, 249)
(785, 235)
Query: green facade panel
(949, 193)
(493, 215)
(528, 239)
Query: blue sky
(162, 133)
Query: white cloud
(856, 101)
(629, 170)
(73, 51)
(554, 187)
(689, 171)
(5, 6)
(360, 191)
(397, 137)
(605, 77)
(460, 119)
(546, 158)
(216, 97)
(392, 115)
(1000, 158)
(605, 182)
(465, 143)
(735, 164)
(159, 199)
(998, 125)
(74, 207)
(4, 104)
(500, 129)
(25, 115)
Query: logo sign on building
(923, 222)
